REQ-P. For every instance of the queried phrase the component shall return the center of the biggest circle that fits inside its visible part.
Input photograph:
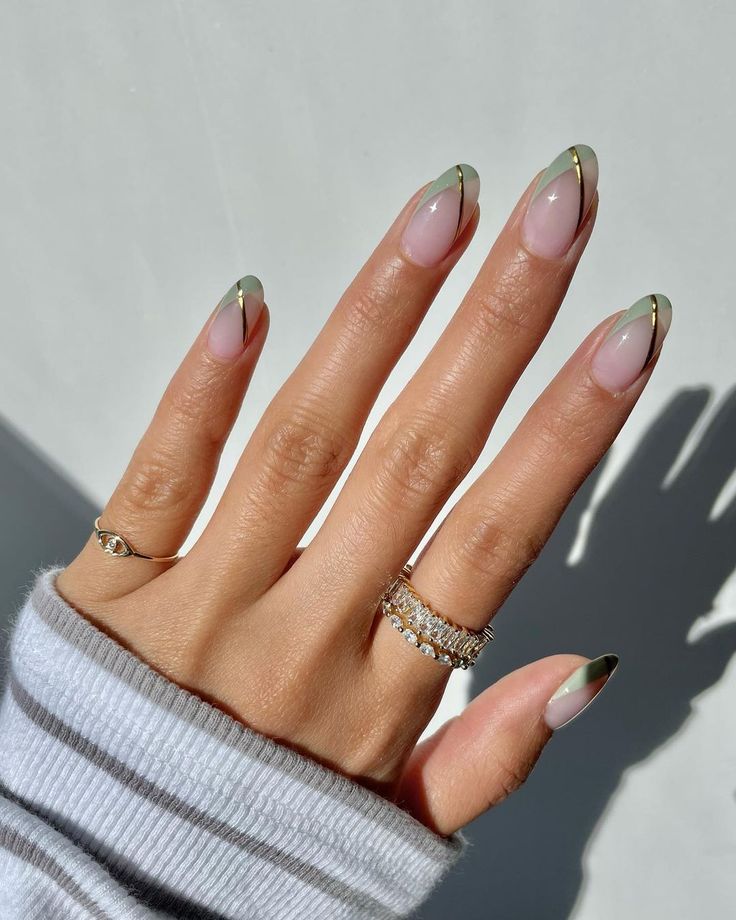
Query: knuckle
(187, 400)
(365, 308)
(303, 449)
(496, 549)
(564, 425)
(423, 457)
(154, 483)
(505, 307)
(192, 405)
(507, 776)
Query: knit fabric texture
(124, 796)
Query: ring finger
(497, 529)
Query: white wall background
(153, 151)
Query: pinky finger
(477, 759)
(171, 471)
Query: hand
(289, 641)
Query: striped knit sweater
(124, 796)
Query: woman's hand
(291, 642)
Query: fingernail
(632, 343)
(441, 215)
(579, 691)
(236, 318)
(560, 202)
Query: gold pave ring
(115, 545)
(434, 635)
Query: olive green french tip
(594, 670)
(572, 158)
(455, 176)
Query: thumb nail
(579, 691)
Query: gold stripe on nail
(241, 302)
(581, 181)
(461, 186)
(655, 322)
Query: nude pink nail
(236, 318)
(560, 202)
(441, 215)
(632, 343)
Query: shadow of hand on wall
(653, 563)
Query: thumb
(478, 758)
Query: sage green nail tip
(643, 307)
(251, 285)
(248, 285)
(591, 671)
(449, 179)
(562, 163)
(469, 173)
(585, 152)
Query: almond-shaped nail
(631, 344)
(560, 202)
(236, 318)
(441, 215)
(579, 691)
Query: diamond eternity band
(434, 636)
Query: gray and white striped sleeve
(125, 796)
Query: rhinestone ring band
(115, 545)
(436, 637)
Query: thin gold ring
(115, 545)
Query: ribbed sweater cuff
(182, 806)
